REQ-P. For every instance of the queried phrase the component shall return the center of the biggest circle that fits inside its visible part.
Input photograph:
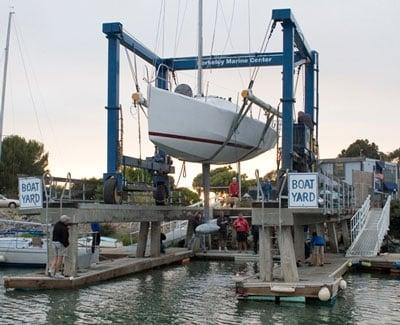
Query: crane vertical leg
(206, 189)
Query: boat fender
(207, 228)
(350, 264)
(396, 264)
(342, 284)
(366, 264)
(2, 258)
(324, 294)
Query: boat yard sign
(303, 190)
(30, 192)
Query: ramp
(370, 237)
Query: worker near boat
(233, 192)
(197, 221)
(223, 223)
(318, 247)
(60, 242)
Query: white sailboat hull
(193, 129)
(19, 251)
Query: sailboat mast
(200, 51)
(3, 91)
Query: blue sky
(65, 54)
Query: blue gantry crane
(299, 140)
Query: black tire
(160, 194)
(12, 205)
(111, 196)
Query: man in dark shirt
(59, 243)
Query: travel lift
(299, 140)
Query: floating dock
(105, 270)
(311, 285)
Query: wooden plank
(142, 241)
(105, 271)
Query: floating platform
(103, 271)
(387, 263)
(313, 284)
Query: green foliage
(395, 156)
(138, 175)
(93, 189)
(363, 148)
(184, 196)
(125, 239)
(107, 229)
(221, 176)
(395, 218)
(20, 157)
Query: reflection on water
(198, 293)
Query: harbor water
(196, 293)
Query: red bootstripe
(184, 137)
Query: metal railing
(382, 226)
(357, 222)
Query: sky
(56, 91)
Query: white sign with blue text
(303, 190)
(30, 192)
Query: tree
(184, 196)
(138, 175)
(221, 176)
(363, 148)
(395, 156)
(20, 157)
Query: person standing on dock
(242, 228)
(318, 245)
(59, 243)
(197, 221)
(96, 238)
(255, 232)
(222, 222)
(233, 192)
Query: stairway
(369, 240)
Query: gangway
(369, 227)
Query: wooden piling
(288, 257)
(299, 242)
(155, 238)
(266, 256)
(333, 237)
(71, 260)
(345, 233)
(142, 240)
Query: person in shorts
(242, 228)
(59, 243)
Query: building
(367, 176)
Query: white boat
(105, 242)
(19, 251)
(194, 128)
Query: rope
(182, 172)
(133, 70)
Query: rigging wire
(159, 26)
(29, 86)
(229, 36)
(177, 28)
(36, 83)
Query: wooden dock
(387, 263)
(105, 270)
(312, 279)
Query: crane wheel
(111, 196)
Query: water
(197, 293)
